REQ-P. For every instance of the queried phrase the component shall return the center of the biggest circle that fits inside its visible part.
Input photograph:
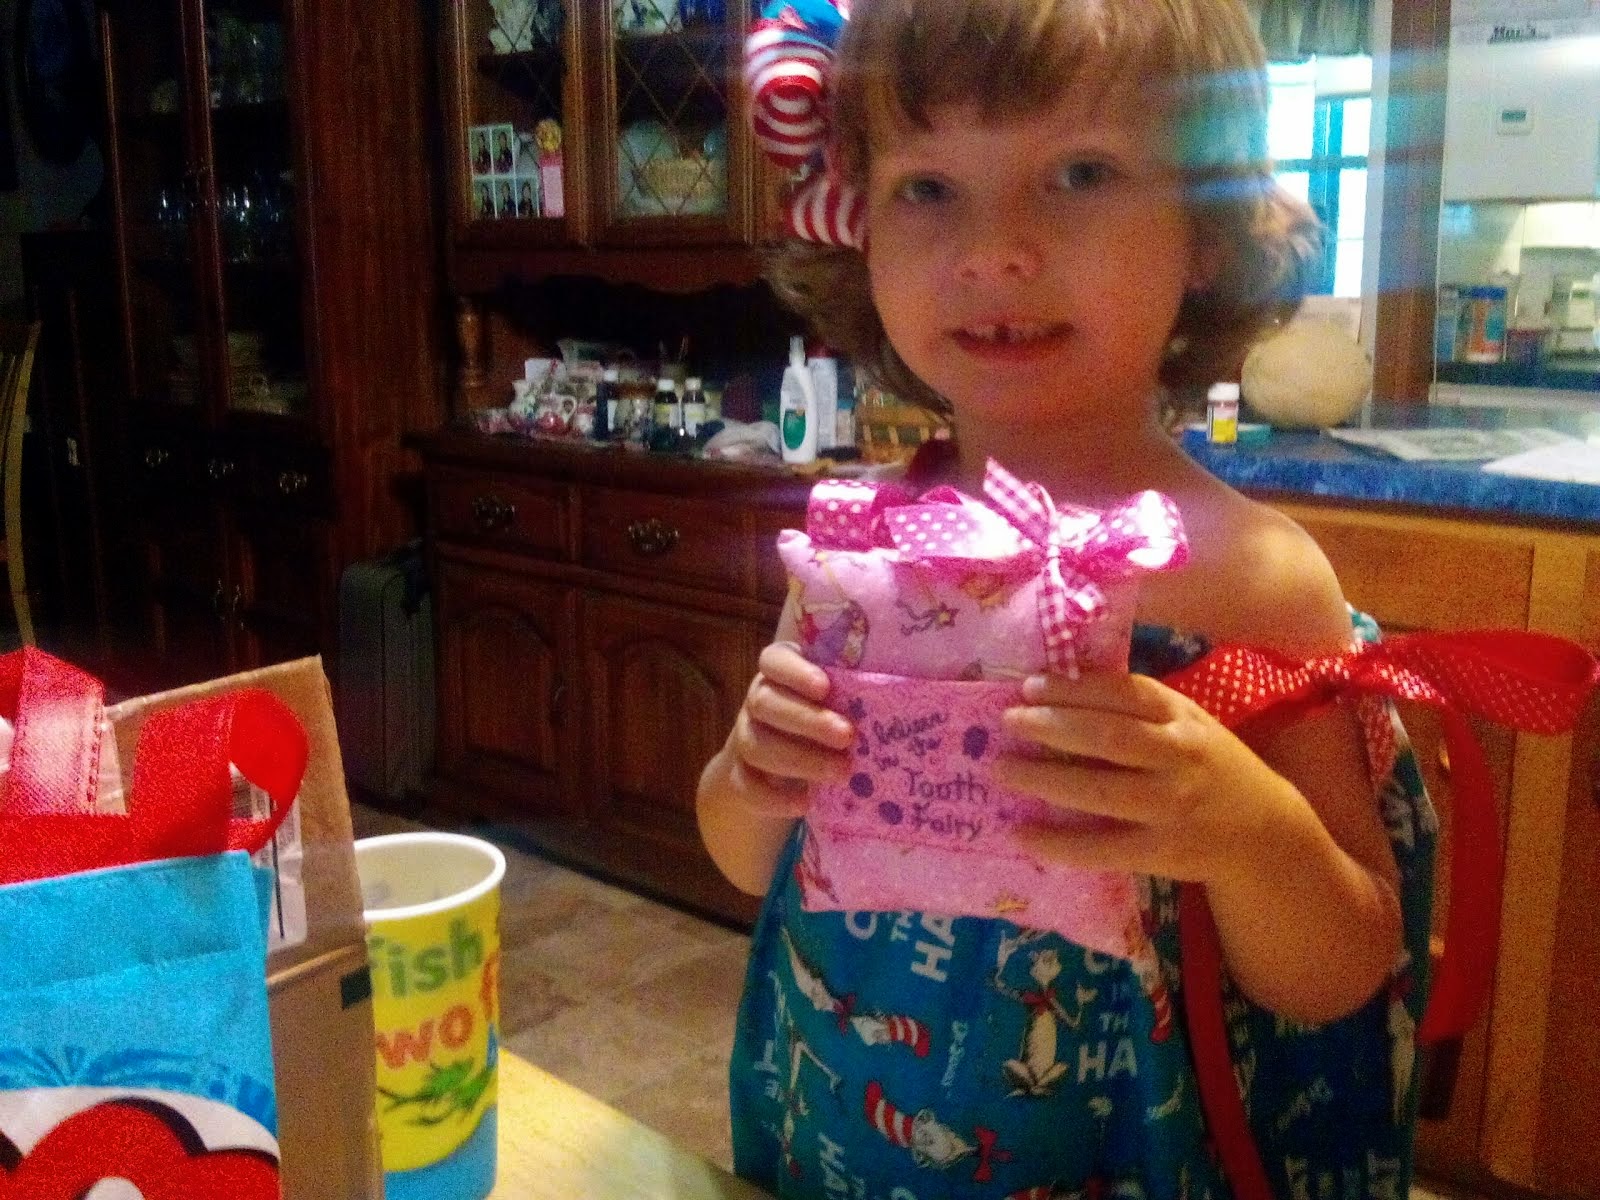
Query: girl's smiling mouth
(1011, 341)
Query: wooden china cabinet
(274, 249)
(660, 182)
(598, 614)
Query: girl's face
(1033, 264)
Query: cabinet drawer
(696, 542)
(503, 509)
(1418, 578)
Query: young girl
(1068, 206)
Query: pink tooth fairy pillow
(928, 612)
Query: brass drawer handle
(155, 458)
(652, 537)
(221, 468)
(291, 483)
(492, 513)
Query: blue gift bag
(134, 1037)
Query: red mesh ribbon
(1528, 681)
(180, 801)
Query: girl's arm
(1312, 928)
(756, 787)
(1286, 835)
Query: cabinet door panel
(505, 686)
(663, 687)
(1570, 1133)
(670, 164)
(1424, 579)
(185, 563)
(277, 603)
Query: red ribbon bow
(180, 800)
(1528, 681)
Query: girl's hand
(784, 740)
(1190, 801)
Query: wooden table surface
(559, 1143)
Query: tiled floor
(627, 999)
(630, 1000)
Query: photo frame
(526, 189)
(484, 206)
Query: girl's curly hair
(899, 60)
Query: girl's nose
(999, 249)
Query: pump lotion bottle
(797, 407)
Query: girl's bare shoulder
(1253, 576)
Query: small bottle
(844, 427)
(666, 412)
(1222, 414)
(824, 368)
(797, 408)
(605, 405)
(694, 406)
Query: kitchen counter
(1297, 463)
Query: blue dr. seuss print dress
(904, 1056)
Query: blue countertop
(1311, 464)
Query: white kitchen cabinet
(1522, 111)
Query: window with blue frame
(1319, 130)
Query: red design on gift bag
(148, 1144)
(180, 799)
(1528, 681)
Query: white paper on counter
(1450, 445)
(1569, 462)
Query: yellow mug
(432, 905)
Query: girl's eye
(1079, 176)
(923, 189)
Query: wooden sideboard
(600, 612)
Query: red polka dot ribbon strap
(788, 61)
(1020, 533)
(180, 798)
(1527, 681)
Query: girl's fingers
(784, 665)
(1093, 733)
(782, 709)
(1132, 695)
(768, 796)
(784, 756)
(1102, 791)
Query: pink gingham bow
(1019, 533)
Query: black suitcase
(385, 700)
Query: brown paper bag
(319, 992)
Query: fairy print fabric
(921, 821)
(948, 586)
(927, 612)
(897, 1055)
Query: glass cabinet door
(159, 194)
(253, 194)
(514, 178)
(669, 169)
